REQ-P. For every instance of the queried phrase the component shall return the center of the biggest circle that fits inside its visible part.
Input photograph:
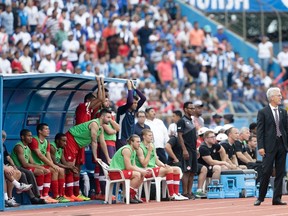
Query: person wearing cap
(200, 133)
(216, 121)
(272, 129)
(91, 46)
(228, 145)
(126, 114)
(47, 65)
(196, 118)
(213, 156)
(228, 119)
(187, 138)
(220, 35)
(64, 58)
(71, 46)
(160, 133)
(64, 68)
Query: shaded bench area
(27, 100)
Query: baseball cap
(216, 115)
(63, 63)
(202, 130)
(198, 103)
(221, 137)
(227, 127)
(217, 129)
(219, 27)
(64, 55)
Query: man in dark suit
(272, 129)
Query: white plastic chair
(147, 187)
(110, 183)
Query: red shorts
(80, 158)
(116, 175)
(156, 171)
(72, 151)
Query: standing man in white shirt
(283, 61)
(265, 53)
(71, 46)
(160, 133)
(5, 65)
(47, 65)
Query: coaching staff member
(272, 129)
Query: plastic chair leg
(127, 191)
(158, 188)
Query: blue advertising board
(217, 6)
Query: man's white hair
(270, 92)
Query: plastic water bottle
(120, 196)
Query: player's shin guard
(170, 183)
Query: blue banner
(240, 5)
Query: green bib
(58, 153)
(118, 159)
(82, 133)
(152, 161)
(111, 137)
(27, 154)
(43, 149)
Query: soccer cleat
(23, 187)
(50, 200)
(69, 198)
(62, 199)
(179, 197)
(83, 197)
(76, 199)
(37, 201)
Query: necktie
(277, 123)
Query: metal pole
(244, 25)
(262, 21)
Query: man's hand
(129, 85)
(132, 84)
(56, 168)
(150, 147)
(261, 152)
(185, 155)
(74, 169)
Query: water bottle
(120, 196)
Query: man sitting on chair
(124, 159)
(147, 158)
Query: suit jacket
(266, 129)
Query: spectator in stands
(124, 159)
(16, 64)
(220, 35)
(91, 47)
(126, 114)
(64, 68)
(235, 93)
(47, 65)
(187, 139)
(64, 58)
(282, 58)
(26, 61)
(32, 12)
(71, 46)
(140, 125)
(265, 53)
(196, 36)
(143, 34)
(213, 156)
(216, 121)
(60, 35)
(159, 131)
(165, 70)
(109, 30)
(222, 65)
(192, 67)
(147, 158)
(5, 65)
(7, 20)
(172, 8)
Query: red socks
(170, 183)
(69, 184)
(54, 188)
(61, 183)
(76, 187)
(46, 185)
(40, 182)
(176, 182)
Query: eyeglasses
(213, 137)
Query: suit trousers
(277, 158)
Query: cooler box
(243, 181)
(215, 190)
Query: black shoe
(279, 203)
(132, 200)
(257, 203)
(37, 201)
(139, 200)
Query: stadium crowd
(178, 65)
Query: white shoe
(183, 197)
(176, 197)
